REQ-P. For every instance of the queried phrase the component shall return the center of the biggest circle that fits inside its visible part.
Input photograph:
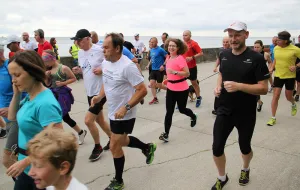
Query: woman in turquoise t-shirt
(35, 112)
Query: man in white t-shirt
(124, 88)
(27, 44)
(90, 58)
(140, 47)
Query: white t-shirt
(74, 185)
(29, 46)
(89, 60)
(139, 46)
(119, 79)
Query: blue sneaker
(198, 102)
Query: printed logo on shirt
(248, 61)
(224, 59)
(86, 66)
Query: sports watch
(128, 107)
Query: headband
(283, 37)
(48, 57)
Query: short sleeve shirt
(29, 45)
(285, 57)
(41, 47)
(34, 115)
(176, 64)
(74, 185)
(193, 49)
(119, 79)
(128, 45)
(89, 60)
(248, 68)
(158, 56)
(139, 46)
(127, 53)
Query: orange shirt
(193, 49)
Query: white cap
(136, 35)
(11, 39)
(238, 26)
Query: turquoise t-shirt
(34, 115)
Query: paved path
(186, 161)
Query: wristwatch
(176, 72)
(128, 107)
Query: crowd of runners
(35, 98)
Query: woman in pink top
(176, 84)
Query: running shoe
(115, 185)
(3, 134)
(271, 122)
(194, 121)
(270, 89)
(294, 109)
(158, 90)
(198, 102)
(81, 137)
(244, 178)
(107, 146)
(297, 98)
(154, 101)
(259, 107)
(220, 184)
(149, 153)
(164, 137)
(96, 153)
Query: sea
(64, 43)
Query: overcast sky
(148, 18)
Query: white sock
(273, 117)
(222, 178)
(246, 169)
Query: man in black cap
(90, 58)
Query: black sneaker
(220, 184)
(149, 153)
(164, 137)
(297, 98)
(3, 134)
(259, 107)
(214, 112)
(194, 121)
(115, 185)
(96, 153)
(244, 178)
(107, 146)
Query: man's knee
(89, 120)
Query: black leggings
(224, 124)
(24, 182)
(69, 120)
(179, 97)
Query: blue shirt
(6, 89)
(34, 115)
(272, 46)
(127, 53)
(157, 57)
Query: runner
(176, 84)
(259, 47)
(124, 87)
(128, 45)
(53, 156)
(39, 36)
(285, 72)
(140, 47)
(74, 52)
(272, 46)
(28, 44)
(194, 51)
(158, 56)
(226, 45)
(164, 38)
(243, 76)
(13, 44)
(58, 77)
(95, 38)
(90, 58)
(298, 73)
(38, 109)
(54, 47)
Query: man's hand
(97, 71)
(161, 68)
(121, 113)
(4, 112)
(215, 69)
(292, 68)
(218, 91)
(17, 168)
(95, 100)
(231, 86)
(188, 59)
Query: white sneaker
(81, 137)
(270, 89)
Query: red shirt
(46, 45)
(11, 54)
(193, 49)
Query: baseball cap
(136, 35)
(238, 26)
(11, 39)
(82, 33)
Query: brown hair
(182, 47)
(117, 40)
(260, 43)
(52, 42)
(32, 63)
(56, 145)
